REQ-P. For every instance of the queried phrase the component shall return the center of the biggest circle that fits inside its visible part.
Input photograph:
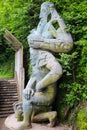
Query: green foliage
(74, 79)
(81, 123)
(6, 62)
(16, 16)
(7, 69)
(75, 93)
(20, 116)
(67, 61)
(19, 17)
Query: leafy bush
(7, 69)
(81, 123)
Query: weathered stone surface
(11, 121)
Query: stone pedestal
(12, 121)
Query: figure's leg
(27, 113)
(46, 116)
(52, 118)
(26, 123)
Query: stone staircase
(8, 95)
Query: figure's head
(45, 9)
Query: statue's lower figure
(40, 91)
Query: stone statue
(40, 91)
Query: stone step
(7, 81)
(5, 115)
(6, 109)
(8, 100)
(8, 93)
(5, 100)
(4, 89)
(8, 88)
(6, 112)
(8, 96)
(7, 84)
(10, 80)
(6, 105)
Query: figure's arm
(56, 17)
(54, 45)
(55, 72)
(31, 83)
(63, 43)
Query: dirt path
(2, 126)
(36, 126)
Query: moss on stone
(20, 116)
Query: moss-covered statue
(40, 91)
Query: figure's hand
(46, 40)
(55, 42)
(28, 92)
(35, 41)
(35, 37)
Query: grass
(7, 69)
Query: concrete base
(12, 121)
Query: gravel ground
(2, 126)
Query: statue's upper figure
(46, 36)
